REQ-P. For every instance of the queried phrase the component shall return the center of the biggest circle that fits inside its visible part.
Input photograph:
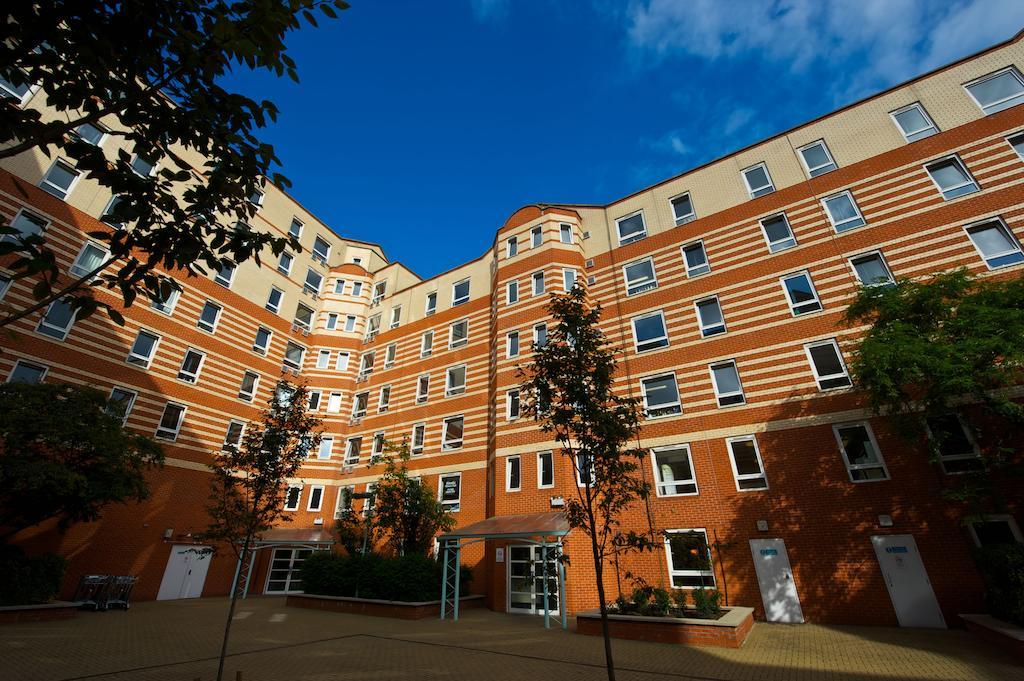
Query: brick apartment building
(724, 289)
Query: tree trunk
(599, 570)
(231, 610)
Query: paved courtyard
(179, 640)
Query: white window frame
(1002, 104)
(193, 377)
(861, 466)
(971, 181)
(814, 369)
(817, 171)
(219, 277)
(427, 343)
(536, 334)
(460, 301)
(350, 323)
(997, 518)
(422, 388)
(344, 500)
(564, 228)
(75, 269)
(56, 190)
(1014, 140)
(216, 321)
(171, 435)
(508, 344)
(534, 279)
(24, 362)
(642, 234)
(132, 396)
(331, 321)
(390, 354)
(668, 405)
(452, 445)
(508, 473)
(782, 244)
(512, 292)
(569, 273)
(62, 332)
(659, 484)
(792, 304)
(384, 398)
(248, 397)
(511, 247)
(536, 236)
(736, 476)
(241, 433)
(314, 400)
(396, 317)
(379, 290)
(287, 496)
(319, 499)
(334, 402)
(452, 506)
(302, 355)
(707, 262)
(915, 134)
(975, 454)
(756, 192)
(414, 449)
(846, 225)
(323, 358)
(704, 329)
(30, 217)
(509, 401)
(341, 362)
(349, 450)
(296, 233)
(1001, 224)
(452, 343)
(540, 469)
(377, 446)
(719, 394)
(276, 309)
(321, 258)
(452, 390)
(881, 258)
(682, 219)
(357, 289)
(428, 308)
(147, 360)
(703, 574)
(635, 290)
(285, 262)
(657, 339)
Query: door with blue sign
(775, 577)
(907, 581)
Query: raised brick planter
(375, 608)
(44, 612)
(1007, 636)
(729, 631)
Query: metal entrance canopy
(541, 529)
(313, 539)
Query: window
(537, 283)
(225, 274)
(994, 530)
(747, 467)
(120, 403)
(331, 323)
(295, 228)
(26, 224)
(452, 432)
(449, 490)
(726, 380)
(871, 269)
(431, 305)
(233, 436)
(460, 292)
(256, 198)
(209, 316)
(385, 399)
(455, 381)
(341, 363)
(170, 421)
(321, 250)
(293, 354)
(995, 243)
(143, 349)
(709, 317)
(540, 335)
(389, 355)
(689, 559)
(696, 259)
(565, 233)
(5, 285)
(777, 233)
(640, 276)
(60, 179)
(817, 159)
(951, 177)
(513, 474)
(682, 209)
(860, 452)
(649, 332)
(512, 292)
(377, 446)
(20, 91)
(191, 365)
(303, 317)
(827, 365)
(357, 261)
(27, 372)
(112, 213)
(56, 322)
(357, 289)
(631, 228)
(758, 181)
(366, 363)
(261, 343)
(584, 468)
(350, 323)
(568, 279)
(953, 443)
(334, 403)
(359, 404)
(512, 405)
(316, 497)
(143, 166)
(673, 471)
(339, 287)
(843, 212)
(914, 122)
(323, 359)
(274, 299)
(344, 504)
(165, 300)
(418, 436)
(1018, 145)
(379, 289)
(314, 399)
(800, 294)
(426, 343)
(458, 333)
(998, 91)
(512, 343)
(352, 450)
(536, 236)
(396, 317)
(422, 388)
(247, 389)
(314, 280)
(545, 470)
(511, 247)
(89, 259)
(291, 497)
(661, 396)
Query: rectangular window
(817, 158)
(696, 259)
(758, 181)
(423, 388)
(165, 299)
(89, 259)
(396, 317)
(293, 354)
(709, 316)
(339, 287)
(953, 444)
(19, 91)
(389, 355)
(649, 332)
(673, 471)
(452, 432)
(27, 372)
(458, 333)
(284, 263)
(426, 344)
(350, 323)
(511, 247)
(512, 343)
(682, 209)
(995, 243)
(631, 228)
(689, 559)
(209, 316)
(827, 365)
(334, 403)
(536, 236)
(313, 400)
(170, 421)
(295, 228)
(777, 233)
(513, 474)
(584, 468)
(661, 396)
(843, 212)
(449, 490)
(512, 292)
(60, 179)
(274, 299)
(5, 285)
(303, 317)
(951, 177)
(352, 450)
(57, 321)
(565, 233)
(431, 305)
(331, 323)
(385, 399)
(366, 361)
(316, 497)
(323, 359)
(747, 467)
(359, 403)
(225, 274)
(998, 91)
(377, 446)
(726, 380)
(261, 343)
(860, 452)
(537, 283)
(191, 365)
(1017, 143)
(568, 279)
(540, 335)
(143, 167)
(292, 496)
(640, 276)
(372, 328)
(914, 122)
(321, 250)
(871, 269)
(143, 349)
(379, 289)
(800, 293)
(120, 403)
(344, 504)
(247, 390)
(512, 405)
(357, 289)
(26, 224)
(256, 198)
(460, 292)
(314, 280)
(455, 381)
(418, 436)
(341, 363)
(233, 436)
(545, 470)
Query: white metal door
(283, 576)
(526, 579)
(907, 581)
(185, 573)
(774, 575)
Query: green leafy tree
(569, 388)
(937, 345)
(65, 454)
(153, 71)
(248, 484)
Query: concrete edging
(38, 612)
(1007, 636)
(408, 610)
(729, 631)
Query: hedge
(26, 580)
(406, 578)
(1003, 568)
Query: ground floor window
(689, 558)
(526, 570)
(992, 530)
(285, 565)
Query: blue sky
(415, 119)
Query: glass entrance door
(526, 579)
(284, 577)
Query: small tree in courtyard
(569, 388)
(248, 486)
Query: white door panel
(185, 573)
(775, 577)
(907, 581)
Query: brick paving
(179, 640)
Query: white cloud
(491, 11)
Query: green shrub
(707, 602)
(1003, 569)
(404, 578)
(661, 602)
(25, 580)
(679, 597)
